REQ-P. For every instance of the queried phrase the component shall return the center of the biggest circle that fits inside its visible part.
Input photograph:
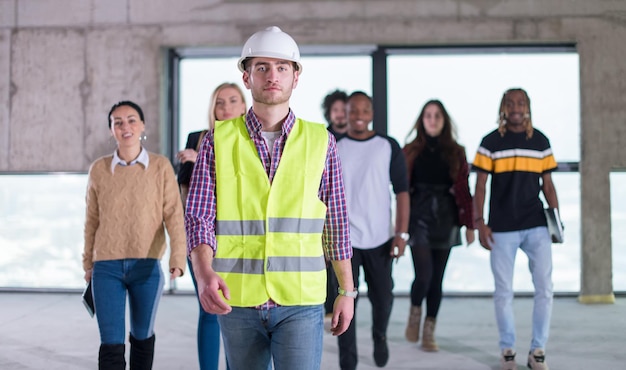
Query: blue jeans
(143, 280)
(291, 335)
(537, 245)
(208, 335)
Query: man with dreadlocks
(519, 159)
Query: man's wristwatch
(345, 293)
(403, 236)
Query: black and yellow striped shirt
(516, 165)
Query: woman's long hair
(450, 148)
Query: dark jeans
(376, 265)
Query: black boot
(111, 357)
(141, 353)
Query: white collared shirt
(143, 158)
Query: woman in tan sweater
(132, 195)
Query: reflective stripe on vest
(275, 264)
(276, 225)
(239, 227)
(269, 237)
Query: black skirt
(434, 220)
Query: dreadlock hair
(502, 114)
(451, 150)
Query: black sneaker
(381, 351)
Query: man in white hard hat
(266, 203)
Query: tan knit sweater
(127, 209)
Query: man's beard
(273, 98)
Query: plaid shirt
(201, 204)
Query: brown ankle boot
(428, 336)
(412, 332)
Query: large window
(320, 75)
(42, 215)
(471, 86)
(41, 230)
(470, 83)
(42, 220)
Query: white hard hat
(270, 43)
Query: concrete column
(602, 92)
(123, 64)
(46, 107)
(5, 91)
(596, 285)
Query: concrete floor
(53, 331)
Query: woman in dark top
(440, 204)
(227, 102)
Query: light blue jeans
(290, 335)
(143, 280)
(537, 245)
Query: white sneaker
(537, 360)
(507, 361)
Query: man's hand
(209, 287)
(343, 308)
(343, 312)
(397, 248)
(485, 236)
(209, 282)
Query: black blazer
(184, 173)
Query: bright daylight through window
(470, 85)
(469, 82)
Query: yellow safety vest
(269, 236)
